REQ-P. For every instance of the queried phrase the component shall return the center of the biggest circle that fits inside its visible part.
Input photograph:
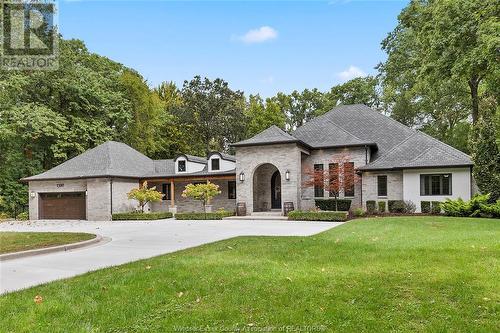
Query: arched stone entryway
(266, 188)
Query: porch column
(172, 194)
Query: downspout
(366, 154)
(111, 195)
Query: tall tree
(214, 111)
(442, 41)
(263, 115)
(361, 90)
(299, 107)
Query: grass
(22, 241)
(404, 274)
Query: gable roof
(226, 157)
(110, 159)
(271, 135)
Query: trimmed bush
(370, 206)
(396, 206)
(425, 207)
(4, 216)
(218, 215)
(436, 207)
(381, 206)
(141, 216)
(359, 212)
(329, 204)
(298, 215)
(410, 207)
(22, 216)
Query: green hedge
(396, 206)
(381, 206)
(436, 207)
(370, 206)
(203, 216)
(298, 215)
(425, 207)
(24, 216)
(141, 216)
(329, 204)
(478, 206)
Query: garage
(62, 206)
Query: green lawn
(22, 241)
(406, 274)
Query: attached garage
(62, 206)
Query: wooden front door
(276, 190)
(62, 206)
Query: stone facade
(185, 205)
(394, 186)
(284, 157)
(356, 155)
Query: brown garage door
(65, 206)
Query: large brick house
(391, 161)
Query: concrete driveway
(130, 241)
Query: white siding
(224, 165)
(460, 187)
(190, 166)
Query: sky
(257, 46)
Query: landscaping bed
(23, 241)
(141, 216)
(332, 216)
(402, 274)
(203, 216)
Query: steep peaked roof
(108, 159)
(271, 135)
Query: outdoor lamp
(287, 175)
(32, 194)
(242, 176)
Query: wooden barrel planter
(287, 207)
(241, 209)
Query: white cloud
(260, 35)
(351, 73)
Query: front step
(259, 217)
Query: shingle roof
(271, 135)
(108, 159)
(116, 159)
(226, 157)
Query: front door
(276, 190)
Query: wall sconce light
(32, 194)
(287, 175)
(86, 192)
(242, 176)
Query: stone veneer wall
(185, 205)
(394, 186)
(282, 156)
(325, 157)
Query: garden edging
(59, 248)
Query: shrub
(396, 206)
(425, 207)
(381, 206)
(359, 212)
(329, 204)
(410, 207)
(22, 216)
(4, 216)
(218, 215)
(370, 206)
(436, 207)
(141, 216)
(478, 206)
(317, 216)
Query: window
(231, 189)
(181, 166)
(382, 186)
(349, 179)
(319, 191)
(165, 190)
(333, 173)
(215, 164)
(435, 184)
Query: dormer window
(215, 164)
(181, 166)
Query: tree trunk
(474, 85)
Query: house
(391, 161)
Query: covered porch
(172, 188)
